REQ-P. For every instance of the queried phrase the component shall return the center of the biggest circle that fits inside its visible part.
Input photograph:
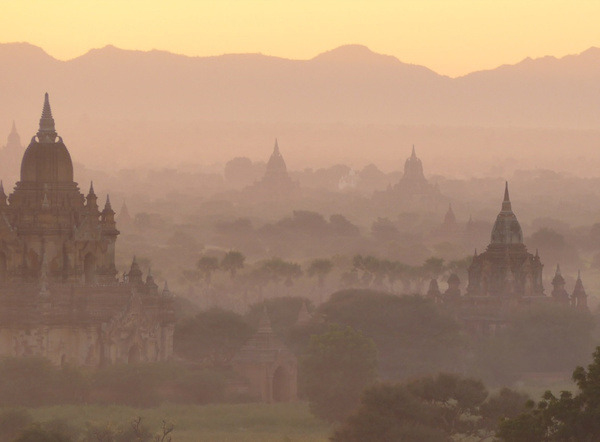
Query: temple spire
(91, 192)
(107, 206)
(506, 205)
(13, 131)
(47, 131)
(414, 154)
(276, 149)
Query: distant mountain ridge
(350, 84)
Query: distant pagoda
(276, 183)
(412, 191)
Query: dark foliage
(565, 418)
(411, 334)
(212, 337)
(338, 365)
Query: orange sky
(452, 37)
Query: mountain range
(349, 85)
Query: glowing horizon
(450, 37)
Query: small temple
(276, 183)
(270, 368)
(413, 190)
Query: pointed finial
(506, 206)
(91, 192)
(107, 206)
(150, 271)
(47, 131)
(579, 275)
(165, 290)
(557, 269)
(14, 128)
(276, 149)
(414, 154)
(134, 260)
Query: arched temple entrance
(282, 391)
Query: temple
(413, 190)
(60, 295)
(271, 370)
(10, 155)
(506, 269)
(276, 183)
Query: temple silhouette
(60, 295)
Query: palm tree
(321, 268)
(232, 262)
(206, 266)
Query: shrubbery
(33, 382)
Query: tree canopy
(338, 365)
(564, 418)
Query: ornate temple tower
(506, 269)
(559, 294)
(48, 227)
(10, 155)
(579, 297)
(413, 170)
(59, 295)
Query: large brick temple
(60, 297)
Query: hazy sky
(452, 37)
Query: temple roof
(507, 229)
(46, 160)
(413, 168)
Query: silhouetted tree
(206, 265)
(211, 337)
(338, 365)
(568, 417)
(320, 268)
(434, 408)
(232, 262)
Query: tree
(432, 267)
(384, 230)
(434, 408)
(232, 262)
(278, 269)
(341, 226)
(338, 365)
(565, 418)
(411, 334)
(206, 266)
(211, 337)
(321, 268)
